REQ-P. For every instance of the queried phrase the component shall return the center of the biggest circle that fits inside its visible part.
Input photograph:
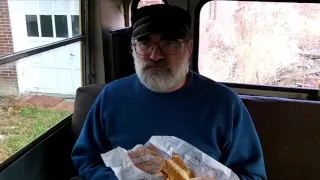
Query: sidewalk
(47, 102)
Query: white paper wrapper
(199, 163)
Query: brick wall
(149, 2)
(8, 79)
(8, 72)
(6, 44)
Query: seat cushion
(85, 97)
(289, 131)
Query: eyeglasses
(166, 47)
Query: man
(165, 98)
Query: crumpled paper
(143, 161)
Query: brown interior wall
(95, 43)
(112, 18)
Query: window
(149, 2)
(61, 24)
(39, 78)
(75, 25)
(263, 43)
(37, 91)
(32, 25)
(46, 26)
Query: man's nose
(156, 54)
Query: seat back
(122, 57)
(289, 131)
(85, 97)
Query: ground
(24, 118)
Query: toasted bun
(175, 169)
(179, 161)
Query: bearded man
(164, 97)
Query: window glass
(26, 24)
(75, 25)
(46, 26)
(61, 23)
(36, 93)
(264, 43)
(149, 2)
(32, 25)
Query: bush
(264, 45)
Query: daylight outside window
(38, 91)
(263, 43)
(143, 3)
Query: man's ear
(190, 47)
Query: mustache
(160, 63)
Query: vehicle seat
(289, 131)
(85, 97)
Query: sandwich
(146, 160)
(175, 169)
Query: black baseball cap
(170, 21)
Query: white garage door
(57, 71)
(35, 23)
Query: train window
(149, 2)
(39, 79)
(263, 43)
(61, 24)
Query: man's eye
(143, 44)
(172, 44)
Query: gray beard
(161, 81)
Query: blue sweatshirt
(204, 113)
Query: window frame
(312, 94)
(39, 49)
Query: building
(25, 24)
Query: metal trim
(29, 52)
(270, 88)
(85, 24)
